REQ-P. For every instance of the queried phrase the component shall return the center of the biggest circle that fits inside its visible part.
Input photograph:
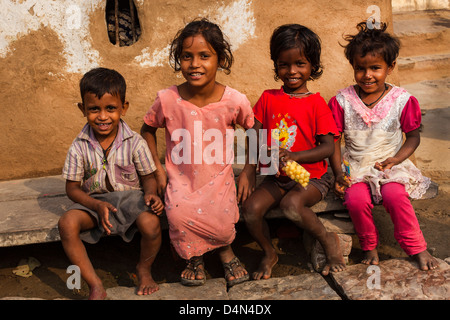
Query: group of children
(119, 186)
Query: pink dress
(200, 198)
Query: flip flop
(230, 268)
(26, 266)
(193, 265)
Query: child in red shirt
(303, 127)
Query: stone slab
(432, 94)
(302, 287)
(399, 279)
(30, 209)
(31, 221)
(213, 289)
(310, 286)
(23, 189)
(333, 223)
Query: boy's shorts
(129, 205)
(323, 184)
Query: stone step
(418, 5)
(431, 94)
(423, 32)
(431, 157)
(416, 68)
(394, 279)
(310, 286)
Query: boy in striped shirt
(109, 175)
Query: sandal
(230, 268)
(193, 265)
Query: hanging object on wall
(122, 21)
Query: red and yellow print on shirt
(285, 130)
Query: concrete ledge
(30, 209)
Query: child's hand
(246, 182)
(341, 183)
(161, 182)
(103, 209)
(285, 156)
(386, 164)
(155, 203)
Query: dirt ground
(114, 260)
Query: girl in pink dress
(199, 117)
(372, 116)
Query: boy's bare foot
(333, 252)
(425, 260)
(264, 270)
(97, 293)
(371, 257)
(146, 284)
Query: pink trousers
(358, 201)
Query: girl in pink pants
(407, 232)
(372, 116)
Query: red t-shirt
(295, 123)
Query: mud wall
(46, 46)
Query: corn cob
(297, 173)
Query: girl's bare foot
(425, 260)
(97, 292)
(146, 284)
(264, 270)
(333, 252)
(371, 257)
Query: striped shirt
(128, 159)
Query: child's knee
(252, 211)
(68, 225)
(149, 224)
(393, 193)
(358, 204)
(292, 209)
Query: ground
(115, 260)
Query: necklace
(105, 153)
(295, 94)
(370, 104)
(300, 94)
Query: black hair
(102, 80)
(212, 34)
(291, 36)
(372, 40)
